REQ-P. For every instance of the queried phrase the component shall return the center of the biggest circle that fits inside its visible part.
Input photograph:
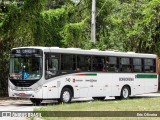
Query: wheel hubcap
(66, 96)
(125, 93)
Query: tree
(151, 21)
(125, 25)
(18, 27)
(52, 23)
(73, 34)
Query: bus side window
(112, 64)
(83, 63)
(125, 65)
(99, 63)
(149, 65)
(137, 65)
(68, 62)
(51, 67)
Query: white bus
(41, 73)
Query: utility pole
(93, 22)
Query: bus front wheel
(66, 96)
(36, 101)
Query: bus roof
(90, 52)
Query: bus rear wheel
(98, 98)
(125, 92)
(66, 96)
(36, 101)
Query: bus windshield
(25, 67)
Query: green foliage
(52, 22)
(125, 25)
(18, 27)
(73, 34)
(152, 25)
(135, 24)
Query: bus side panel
(120, 80)
(145, 83)
(104, 85)
(37, 94)
(151, 85)
(116, 85)
(95, 86)
(139, 86)
(51, 90)
(81, 85)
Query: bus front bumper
(25, 94)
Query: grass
(135, 104)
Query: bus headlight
(11, 87)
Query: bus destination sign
(26, 51)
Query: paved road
(15, 105)
(26, 105)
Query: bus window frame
(73, 62)
(106, 58)
(50, 56)
(153, 65)
(128, 67)
(137, 64)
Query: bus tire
(66, 96)
(98, 98)
(36, 101)
(125, 92)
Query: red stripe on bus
(80, 75)
(157, 71)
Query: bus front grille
(23, 83)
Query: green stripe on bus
(81, 74)
(145, 76)
(91, 74)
